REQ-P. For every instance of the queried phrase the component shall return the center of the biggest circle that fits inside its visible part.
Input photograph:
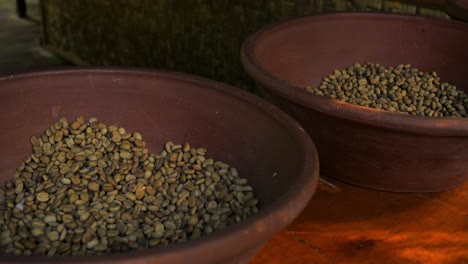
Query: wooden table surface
(348, 224)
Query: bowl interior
(162, 108)
(310, 48)
(264, 144)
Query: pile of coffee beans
(398, 89)
(91, 189)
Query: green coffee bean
(400, 89)
(93, 189)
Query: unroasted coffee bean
(91, 189)
(400, 89)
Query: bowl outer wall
(231, 242)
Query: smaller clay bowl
(364, 146)
(266, 146)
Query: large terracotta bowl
(266, 146)
(360, 145)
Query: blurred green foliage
(201, 37)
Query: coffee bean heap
(398, 89)
(92, 189)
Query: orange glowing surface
(348, 224)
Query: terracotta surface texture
(360, 145)
(266, 146)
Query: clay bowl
(363, 146)
(266, 146)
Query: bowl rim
(262, 225)
(445, 126)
